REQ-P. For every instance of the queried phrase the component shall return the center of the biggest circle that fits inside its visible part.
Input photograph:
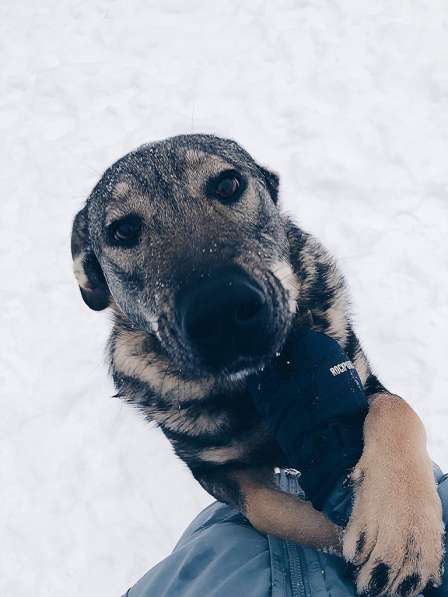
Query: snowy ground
(347, 100)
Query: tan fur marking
(361, 365)
(200, 167)
(238, 449)
(308, 261)
(284, 273)
(78, 270)
(180, 421)
(337, 318)
(122, 207)
(121, 189)
(131, 358)
(223, 454)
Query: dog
(183, 239)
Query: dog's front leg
(273, 511)
(395, 532)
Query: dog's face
(183, 238)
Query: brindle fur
(209, 419)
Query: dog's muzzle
(226, 319)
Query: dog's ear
(272, 182)
(88, 272)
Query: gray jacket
(221, 555)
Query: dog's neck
(138, 354)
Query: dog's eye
(228, 186)
(125, 232)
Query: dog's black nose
(226, 318)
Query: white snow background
(347, 100)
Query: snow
(347, 100)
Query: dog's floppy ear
(272, 182)
(88, 272)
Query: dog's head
(184, 239)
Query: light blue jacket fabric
(222, 555)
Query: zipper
(297, 566)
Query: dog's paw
(395, 535)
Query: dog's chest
(217, 432)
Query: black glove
(313, 401)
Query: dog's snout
(225, 318)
